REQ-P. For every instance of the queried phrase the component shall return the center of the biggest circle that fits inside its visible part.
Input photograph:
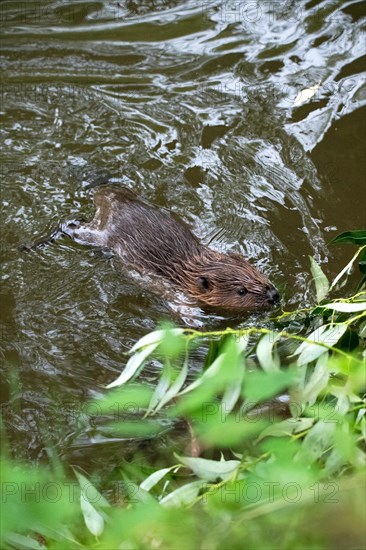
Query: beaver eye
(242, 291)
(204, 283)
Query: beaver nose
(272, 295)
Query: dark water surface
(192, 105)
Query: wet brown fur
(149, 239)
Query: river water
(201, 108)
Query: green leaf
(21, 514)
(287, 427)
(88, 495)
(155, 338)
(346, 307)
(318, 380)
(124, 400)
(24, 543)
(155, 477)
(161, 388)
(235, 372)
(320, 280)
(183, 495)
(209, 374)
(137, 494)
(62, 533)
(227, 431)
(225, 369)
(358, 237)
(242, 342)
(349, 340)
(232, 394)
(90, 490)
(362, 282)
(133, 366)
(93, 520)
(267, 357)
(172, 343)
(362, 330)
(318, 440)
(175, 387)
(210, 470)
(362, 262)
(346, 442)
(135, 429)
(309, 353)
(310, 350)
(262, 385)
(346, 270)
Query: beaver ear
(204, 283)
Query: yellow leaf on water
(305, 95)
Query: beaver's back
(140, 233)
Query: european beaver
(148, 239)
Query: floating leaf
(210, 470)
(305, 95)
(133, 365)
(320, 280)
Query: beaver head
(225, 281)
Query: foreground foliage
(276, 414)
